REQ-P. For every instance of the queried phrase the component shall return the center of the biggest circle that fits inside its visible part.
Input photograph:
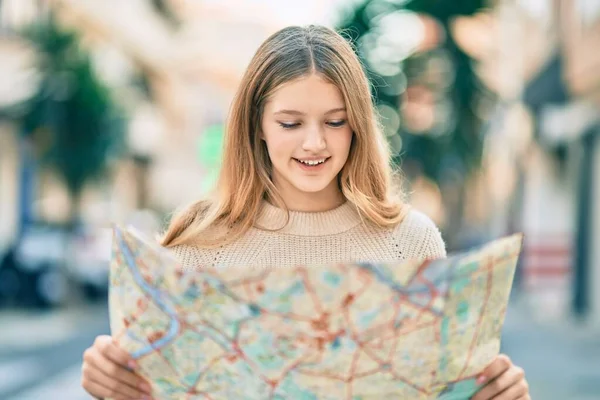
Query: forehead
(307, 94)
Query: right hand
(107, 372)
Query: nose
(314, 140)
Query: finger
(510, 378)
(99, 384)
(116, 372)
(514, 392)
(109, 348)
(500, 365)
(100, 392)
(97, 391)
(114, 353)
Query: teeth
(312, 162)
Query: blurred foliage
(73, 120)
(451, 149)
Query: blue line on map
(158, 298)
(413, 288)
(155, 294)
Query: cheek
(279, 147)
(341, 143)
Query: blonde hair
(244, 182)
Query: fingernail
(132, 364)
(481, 379)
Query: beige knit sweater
(338, 235)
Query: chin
(311, 187)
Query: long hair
(366, 180)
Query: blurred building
(562, 179)
(540, 58)
(573, 126)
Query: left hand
(503, 381)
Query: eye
(337, 124)
(288, 125)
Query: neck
(327, 199)
(310, 223)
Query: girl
(305, 179)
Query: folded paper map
(415, 329)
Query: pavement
(561, 360)
(41, 352)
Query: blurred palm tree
(74, 123)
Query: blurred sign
(547, 273)
(210, 151)
(210, 146)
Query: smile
(313, 162)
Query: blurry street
(41, 358)
(40, 355)
(561, 362)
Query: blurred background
(113, 111)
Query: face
(308, 138)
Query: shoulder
(420, 235)
(243, 250)
(190, 256)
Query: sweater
(311, 238)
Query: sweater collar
(331, 222)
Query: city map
(416, 329)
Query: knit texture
(310, 238)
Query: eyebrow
(296, 112)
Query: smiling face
(306, 131)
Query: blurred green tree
(426, 96)
(459, 140)
(76, 125)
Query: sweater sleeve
(423, 238)
(434, 246)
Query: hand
(504, 381)
(106, 372)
